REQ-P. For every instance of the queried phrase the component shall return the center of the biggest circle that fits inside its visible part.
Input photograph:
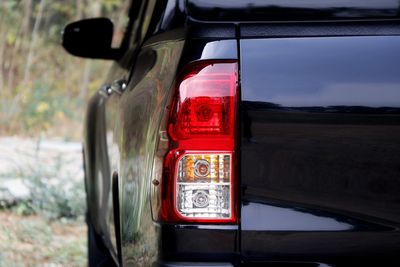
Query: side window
(136, 13)
(141, 13)
(147, 17)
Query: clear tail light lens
(203, 186)
(199, 179)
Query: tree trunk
(29, 61)
(94, 11)
(2, 46)
(33, 42)
(26, 22)
(85, 81)
(119, 28)
(94, 8)
(13, 66)
(79, 10)
(3, 41)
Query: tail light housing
(199, 181)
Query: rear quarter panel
(142, 107)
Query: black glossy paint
(319, 138)
(128, 125)
(321, 29)
(198, 243)
(320, 149)
(289, 10)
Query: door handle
(119, 86)
(105, 90)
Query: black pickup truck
(245, 133)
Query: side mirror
(90, 38)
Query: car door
(112, 92)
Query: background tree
(41, 86)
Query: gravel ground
(24, 156)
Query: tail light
(198, 175)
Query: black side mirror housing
(90, 38)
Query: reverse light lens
(203, 186)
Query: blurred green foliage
(42, 106)
(41, 86)
(43, 91)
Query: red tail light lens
(206, 103)
(198, 181)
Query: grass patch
(33, 241)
